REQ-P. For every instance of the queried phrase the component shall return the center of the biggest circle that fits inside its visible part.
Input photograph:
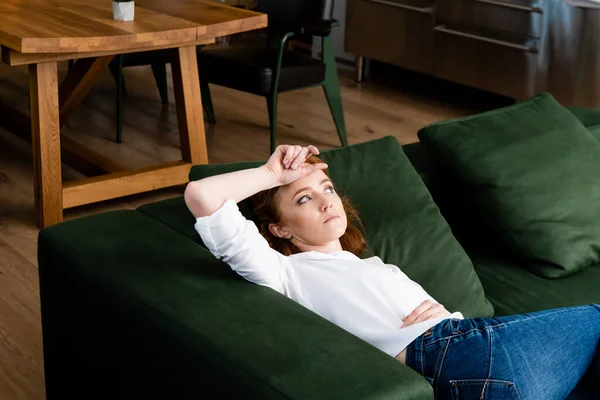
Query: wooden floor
(398, 105)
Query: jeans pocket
(483, 389)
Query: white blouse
(367, 297)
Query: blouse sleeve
(234, 239)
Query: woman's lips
(331, 218)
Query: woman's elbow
(195, 199)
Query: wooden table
(39, 33)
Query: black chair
(266, 71)
(157, 59)
(271, 70)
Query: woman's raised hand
(287, 163)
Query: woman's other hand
(426, 310)
(287, 163)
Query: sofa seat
(512, 289)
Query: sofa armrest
(133, 309)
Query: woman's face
(312, 214)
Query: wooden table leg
(189, 106)
(45, 143)
(77, 84)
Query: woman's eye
(330, 189)
(303, 199)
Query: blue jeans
(541, 355)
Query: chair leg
(207, 101)
(159, 70)
(331, 87)
(114, 71)
(272, 108)
(120, 87)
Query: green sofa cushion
(589, 117)
(449, 195)
(157, 316)
(513, 289)
(404, 226)
(531, 171)
(429, 170)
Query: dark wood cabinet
(399, 32)
(521, 18)
(502, 63)
(517, 48)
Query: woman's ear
(279, 231)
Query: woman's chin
(335, 230)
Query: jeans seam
(476, 381)
(514, 385)
(421, 357)
(491, 338)
(490, 362)
(438, 366)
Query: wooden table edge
(32, 47)
(40, 45)
(14, 58)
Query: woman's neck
(330, 247)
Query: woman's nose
(326, 205)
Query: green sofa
(133, 306)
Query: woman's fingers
(417, 311)
(310, 168)
(289, 156)
(294, 163)
(300, 158)
(279, 154)
(421, 308)
(436, 311)
(313, 149)
(294, 156)
(433, 312)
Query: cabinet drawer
(398, 32)
(524, 17)
(497, 62)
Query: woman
(307, 247)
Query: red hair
(266, 212)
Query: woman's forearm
(285, 166)
(207, 195)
